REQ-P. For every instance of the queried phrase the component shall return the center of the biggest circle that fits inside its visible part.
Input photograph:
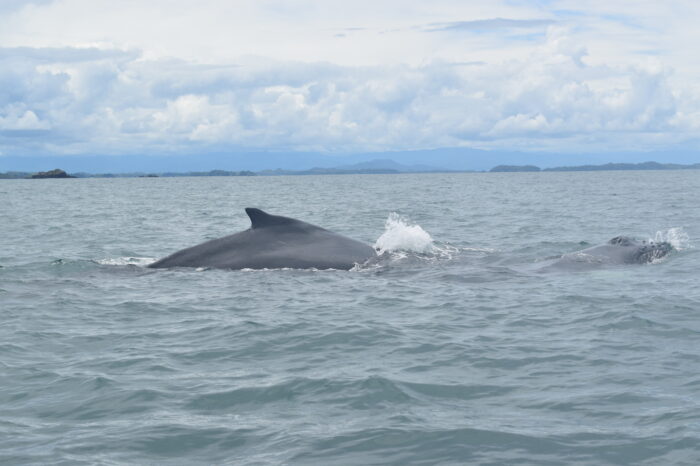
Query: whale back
(273, 241)
(619, 250)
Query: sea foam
(139, 261)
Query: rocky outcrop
(57, 173)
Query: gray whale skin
(618, 251)
(273, 242)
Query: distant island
(378, 167)
(57, 173)
(591, 168)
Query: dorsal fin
(260, 219)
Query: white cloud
(489, 24)
(261, 74)
(21, 121)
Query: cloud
(26, 121)
(115, 101)
(65, 54)
(489, 24)
(7, 6)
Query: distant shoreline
(591, 168)
(645, 166)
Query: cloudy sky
(185, 77)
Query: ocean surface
(454, 347)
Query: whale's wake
(138, 261)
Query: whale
(273, 242)
(620, 250)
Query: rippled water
(453, 348)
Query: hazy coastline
(379, 167)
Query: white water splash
(139, 261)
(401, 235)
(676, 237)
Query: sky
(178, 77)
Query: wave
(138, 261)
(469, 443)
(360, 393)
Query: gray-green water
(464, 354)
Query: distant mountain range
(379, 166)
(443, 159)
(388, 164)
(372, 167)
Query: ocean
(454, 348)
